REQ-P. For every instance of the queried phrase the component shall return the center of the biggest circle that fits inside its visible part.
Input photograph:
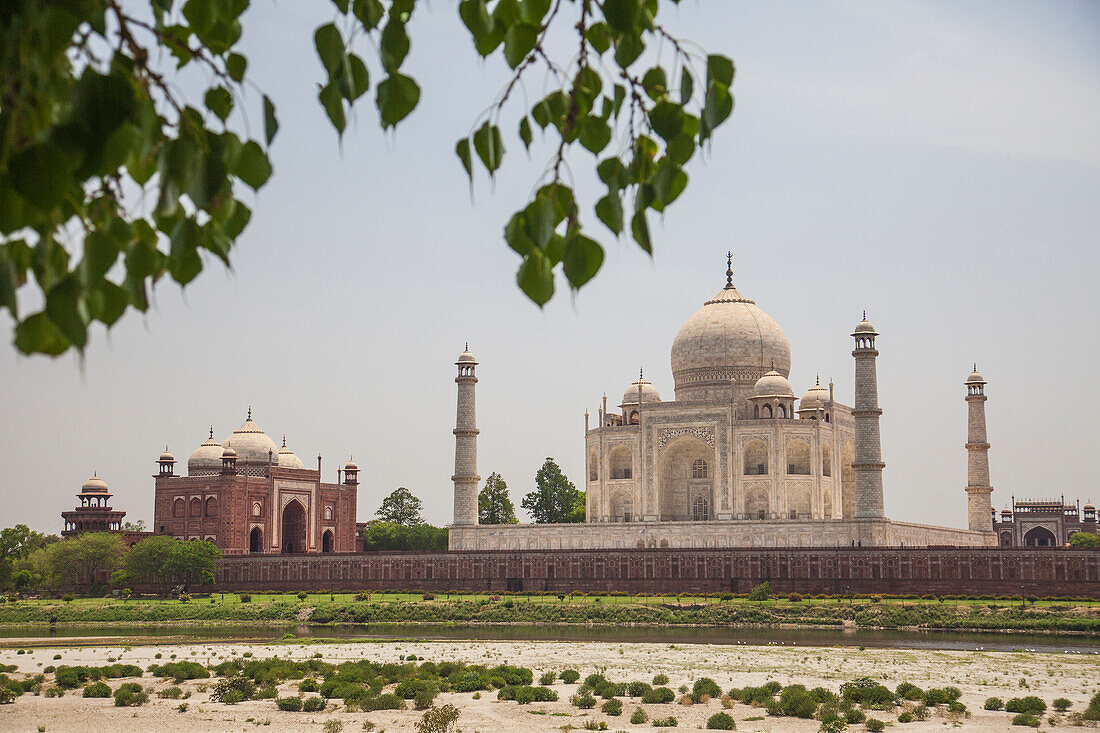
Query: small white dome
(206, 458)
(649, 393)
(287, 459)
(228, 452)
(975, 377)
(816, 397)
(351, 465)
(1006, 512)
(1089, 507)
(864, 327)
(466, 357)
(772, 384)
(94, 485)
(166, 457)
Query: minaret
(979, 504)
(466, 478)
(868, 464)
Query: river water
(808, 637)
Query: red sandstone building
(248, 496)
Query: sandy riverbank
(978, 674)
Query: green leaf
(487, 35)
(581, 260)
(627, 50)
(597, 36)
(235, 65)
(219, 101)
(462, 149)
(252, 165)
(667, 119)
(594, 134)
(613, 173)
(622, 15)
(718, 106)
(639, 227)
(342, 5)
(201, 14)
(184, 262)
(525, 132)
(681, 148)
(515, 234)
(533, 11)
(353, 78)
(394, 46)
(669, 182)
(330, 47)
(720, 69)
(687, 86)
(609, 209)
(518, 42)
(655, 83)
(489, 146)
(41, 174)
(271, 124)
(369, 12)
(38, 335)
(100, 253)
(67, 312)
(106, 302)
(398, 95)
(334, 106)
(535, 278)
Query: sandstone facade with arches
(248, 496)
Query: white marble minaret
(868, 464)
(979, 504)
(465, 477)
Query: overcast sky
(936, 163)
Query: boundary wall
(940, 571)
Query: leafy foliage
(438, 720)
(1084, 539)
(82, 560)
(169, 562)
(97, 145)
(381, 536)
(555, 499)
(721, 721)
(401, 507)
(493, 503)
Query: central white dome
(729, 338)
(251, 444)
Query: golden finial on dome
(250, 412)
(729, 269)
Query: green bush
(232, 690)
(569, 676)
(669, 722)
(660, 679)
(638, 717)
(612, 707)
(437, 720)
(721, 721)
(245, 598)
(761, 592)
(868, 693)
(874, 724)
(906, 718)
(994, 703)
(658, 696)
(1026, 719)
(170, 693)
(289, 704)
(796, 702)
(705, 686)
(908, 691)
(130, 695)
(1092, 712)
(302, 595)
(389, 701)
(637, 689)
(266, 693)
(313, 704)
(180, 671)
(1029, 704)
(1061, 704)
(854, 715)
(583, 700)
(548, 678)
(308, 685)
(97, 689)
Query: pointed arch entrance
(256, 540)
(326, 541)
(686, 480)
(294, 527)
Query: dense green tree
(380, 536)
(494, 506)
(555, 499)
(168, 562)
(401, 507)
(138, 526)
(17, 543)
(110, 179)
(84, 561)
(1084, 539)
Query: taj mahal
(735, 459)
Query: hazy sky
(937, 164)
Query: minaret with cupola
(868, 463)
(465, 476)
(978, 491)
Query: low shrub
(1026, 719)
(639, 716)
(637, 689)
(705, 686)
(266, 693)
(289, 704)
(438, 720)
(245, 598)
(584, 701)
(874, 724)
(548, 678)
(794, 597)
(1061, 704)
(854, 715)
(1029, 704)
(660, 679)
(313, 704)
(130, 695)
(170, 693)
(612, 707)
(796, 702)
(570, 676)
(97, 689)
(180, 671)
(994, 703)
(721, 721)
(389, 701)
(308, 685)
(233, 690)
(921, 712)
(906, 718)
(302, 595)
(669, 722)
(761, 592)
(658, 696)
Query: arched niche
(848, 480)
(621, 460)
(678, 477)
(294, 527)
(798, 458)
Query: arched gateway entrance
(294, 527)
(256, 540)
